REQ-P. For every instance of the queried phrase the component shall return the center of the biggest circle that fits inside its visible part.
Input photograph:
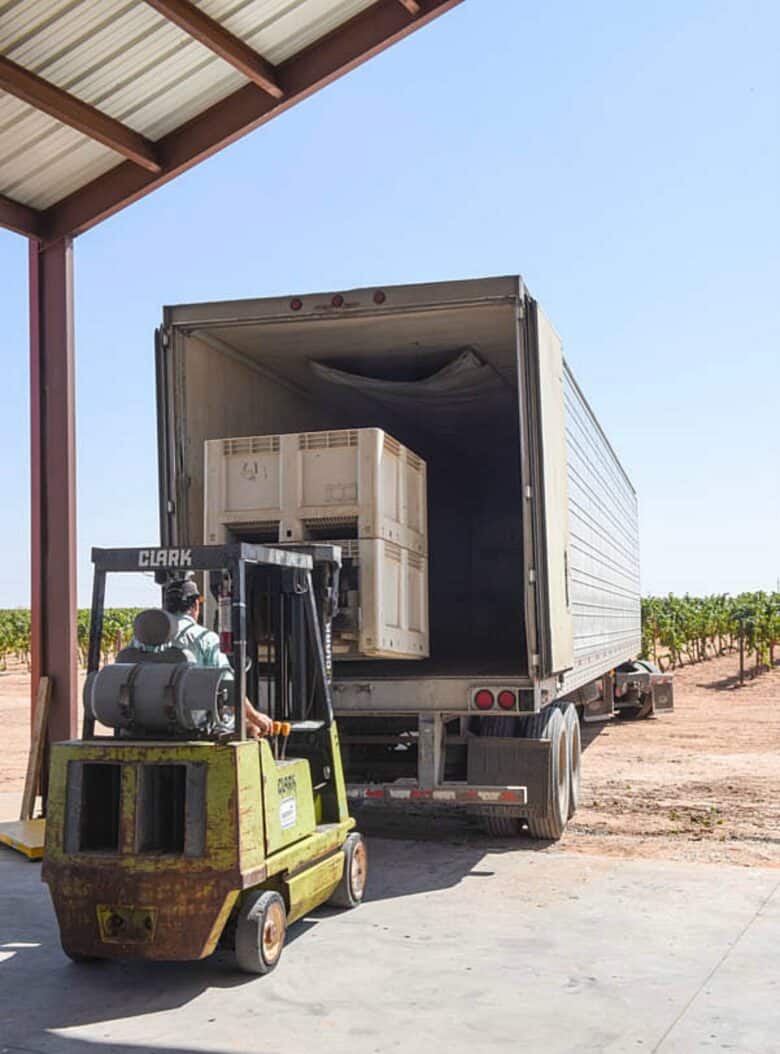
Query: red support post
(53, 473)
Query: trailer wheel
(260, 932)
(643, 708)
(549, 724)
(499, 826)
(350, 890)
(572, 725)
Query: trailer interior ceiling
(443, 383)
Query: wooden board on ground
(37, 743)
(26, 836)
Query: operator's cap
(179, 590)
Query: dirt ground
(701, 784)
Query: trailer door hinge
(529, 492)
(532, 575)
(171, 506)
(534, 659)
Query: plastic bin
(354, 483)
(383, 601)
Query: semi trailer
(532, 558)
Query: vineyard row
(675, 630)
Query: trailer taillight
(379, 297)
(337, 300)
(507, 700)
(296, 303)
(484, 699)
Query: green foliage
(15, 633)
(680, 629)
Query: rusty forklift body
(176, 833)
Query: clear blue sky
(624, 158)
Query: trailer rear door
(549, 493)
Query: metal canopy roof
(102, 101)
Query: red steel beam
(215, 37)
(412, 6)
(367, 34)
(20, 218)
(53, 476)
(39, 93)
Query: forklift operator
(182, 599)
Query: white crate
(243, 486)
(383, 602)
(306, 485)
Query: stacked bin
(357, 488)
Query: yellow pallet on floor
(26, 836)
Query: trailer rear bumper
(443, 794)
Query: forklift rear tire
(349, 892)
(82, 960)
(260, 932)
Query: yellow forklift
(169, 831)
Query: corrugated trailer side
(603, 546)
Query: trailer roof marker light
(484, 699)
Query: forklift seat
(168, 655)
(153, 628)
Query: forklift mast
(275, 607)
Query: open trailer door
(544, 377)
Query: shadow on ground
(42, 992)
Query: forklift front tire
(349, 892)
(260, 932)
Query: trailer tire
(261, 929)
(549, 725)
(497, 824)
(643, 709)
(500, 826)
(352, 886)
(571, 723)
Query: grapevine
(15, 634)
(677, 631)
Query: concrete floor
(463, 945)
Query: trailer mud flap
(497, 761)
(663, 694)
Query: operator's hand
(257, 724)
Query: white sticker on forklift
(287, 813)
